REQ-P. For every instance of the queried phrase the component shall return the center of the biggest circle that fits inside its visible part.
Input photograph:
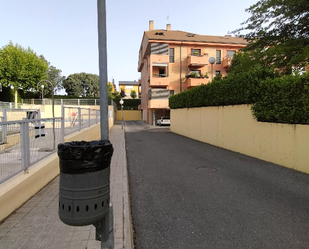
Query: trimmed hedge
(235, 89)
(129, 104)
(283, 100)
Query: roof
(176, 35)
(128, 83)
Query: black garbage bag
(79, 157)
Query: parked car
(164, 121)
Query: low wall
(235, 129)
(20, 188)
(129, 115)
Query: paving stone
(37, 225)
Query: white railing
(27, 141)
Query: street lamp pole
(42, 86)
(53, 106)
(106, 231)
(121, 103)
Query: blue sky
(65, 31)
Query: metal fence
(25, 142)
(48, 101)
(76, 118)
(75, 102)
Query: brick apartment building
(172, 61)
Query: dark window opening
(218, 57)
(195, 52)
(172, 58)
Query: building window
(172, 58)
(195, 52)
(218, 56)
(162, 72)
(230, 53)
(218, 72)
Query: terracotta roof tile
(176, 35)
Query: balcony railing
(192, 82)
(197, 60)
(226, 62)
(158, 103)
(158, 80)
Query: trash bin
(84, 181)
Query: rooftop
(176, 35)
(128, 83)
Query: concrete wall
(20, 188)
(129, 115)
(235, 129)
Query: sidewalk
(36, 224)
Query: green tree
(55, 77)
(110, 91)
(82, 85)
(133, 94)
(278, 31)
(21, 68)
(122, 93)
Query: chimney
(151, 25)
(168, 27)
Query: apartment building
(128, 87)
(172, 61)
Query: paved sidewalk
(36, 224)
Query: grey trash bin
(84, 181)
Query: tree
(55, 77)
(110, 91)
(279, 31)
(21, 68)
(249, 61)
(122, 93)
(82, 85)
(133, 94)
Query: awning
(155, 64)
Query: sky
(65, 31)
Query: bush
(233, 90)
(273, 99)
(283, 100)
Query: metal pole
(107, 240)
(103, 69)
(53, 106)
(122, 116)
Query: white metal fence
(27, 141)
(48, 101)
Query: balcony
(159, 80)
(226, 62)
(158, 103)
(158, 58)
(192, 82)
(197, 60)
(158, 98)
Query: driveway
(188, 194)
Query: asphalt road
(187, 194)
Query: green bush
(273, 99)
(129, 104)
(283, 100)
(233, 90)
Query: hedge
(273, 99)
(283, 100)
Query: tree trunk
(15, 91)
